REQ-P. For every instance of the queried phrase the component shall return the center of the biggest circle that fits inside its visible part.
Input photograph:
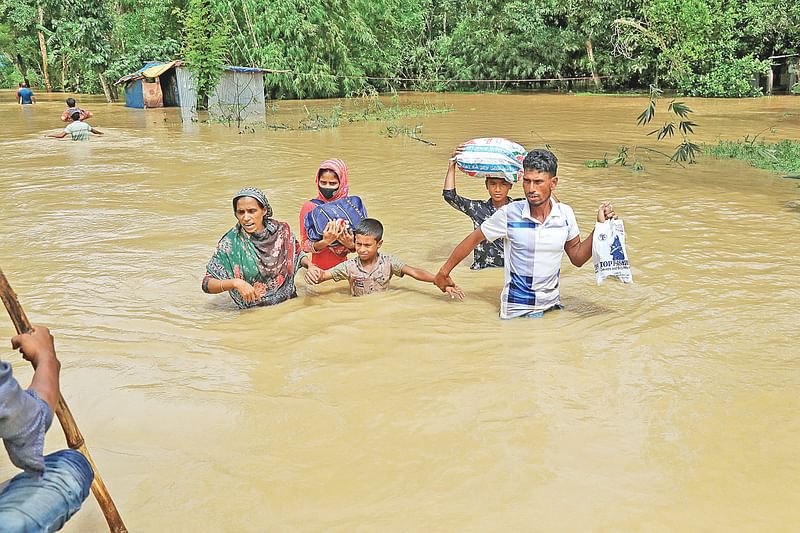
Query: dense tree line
(342, 47)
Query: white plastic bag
(492, 157)
(608, 251)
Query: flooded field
(670, 404)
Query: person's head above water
(331, 180)
(252, 209)
(539, 178)
(498, 189)
(368, 236)
(76, 116)
(71, 102)
(541, 160)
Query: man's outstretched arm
(462, 250)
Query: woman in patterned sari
(255, 262)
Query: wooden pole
(68, 424)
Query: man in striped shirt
(535, 234)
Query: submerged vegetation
(393, 130)
(368, 108)
(782, 156)
(320, 48)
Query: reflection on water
(669, 404)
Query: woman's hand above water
(332, 231)
(245, 290)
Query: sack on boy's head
(492, 157)
(608, 252)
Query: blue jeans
(30, 503)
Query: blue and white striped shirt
(533, 251)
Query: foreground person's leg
(31, 503)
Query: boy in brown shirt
(370, 271)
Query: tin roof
(157, 68)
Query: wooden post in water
(68, 424)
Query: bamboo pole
(68, 424)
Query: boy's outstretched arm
(418, 273)
(423, 275)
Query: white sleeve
(572, 224)
(495, 227)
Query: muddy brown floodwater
(671, 404)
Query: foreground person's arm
(26, 415)
(580, 251)
(38, 348)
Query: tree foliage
(341, 47)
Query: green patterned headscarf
(267, 260)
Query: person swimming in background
(72, 108)
(77, 129)
(25, 95)
(370, 271)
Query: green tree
(205, 45)
(144, 31)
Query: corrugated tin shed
(238, 97)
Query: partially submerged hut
(238, 96)
(782, 74)
(160, 84)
